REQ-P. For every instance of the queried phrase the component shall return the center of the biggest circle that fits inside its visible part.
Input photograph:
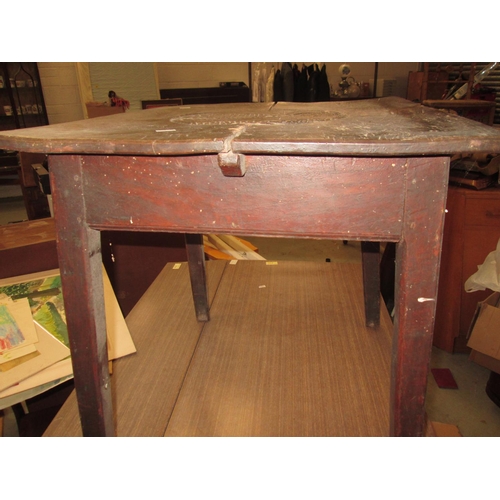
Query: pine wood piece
(247, 244)
(214, 254)
(231, 246)
(224, 247)
(240, 246)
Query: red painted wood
(79, 253)
(370, 257)
(198, 276)
(328, 197)
(371, 170)
(417, 270)
(389, 126)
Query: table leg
(417, 275)
(370, 252)
(196, 262)
(80, 263)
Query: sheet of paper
(120, 342)
(19, 352)
(51, 351)
(62, 370)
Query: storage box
(95, 110)
(484, 333)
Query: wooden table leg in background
(80, 263)
(370, 253)
(417, 274)
(196, 261)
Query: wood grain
(287, 353)
(179, 194)
(291, 359)
(418, 257)
(389, 126)
(372, 170)
(80, 263)
(27, 233)
(146, 384)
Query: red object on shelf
(118, 101)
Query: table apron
(293, 196)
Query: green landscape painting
(46, 302)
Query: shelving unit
(21, 98)
(22, 105)
(436, 80)
(430, 85)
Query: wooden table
(373, 170)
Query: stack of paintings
(34, 343)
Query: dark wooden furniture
(437, 80)
(474, 109)
(371, 170)
(471, 232)
(158, 103)
(27, 247)
(209, 95)
(428, 84)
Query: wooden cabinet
(471, 232)
(209, 95)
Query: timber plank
(305, 365)
(389, 126)
(287, 353)
(145, 385)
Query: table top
(389, 126)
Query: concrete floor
(467, 407)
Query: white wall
(195, 75)
(140, 81)
(61, 91)
(131, 81)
